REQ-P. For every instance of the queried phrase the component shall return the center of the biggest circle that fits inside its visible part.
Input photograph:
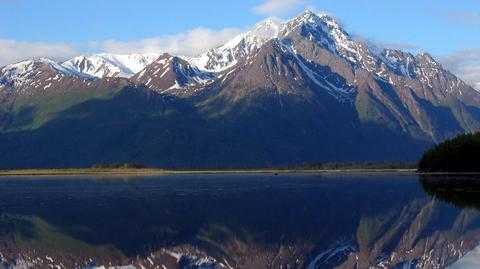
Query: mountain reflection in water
(239, 221)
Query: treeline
(461, 154)
(354, 165)
(130, 165)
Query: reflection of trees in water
(460, 190)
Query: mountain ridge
(285, 92)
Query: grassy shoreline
(151, 171)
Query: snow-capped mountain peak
(314, 21)
(172, 74)
(22, 72)
(262, 32)
(325, 31)
(109, 65)
(267, 29)
(297, 37)
(320, 27)
(242, 45)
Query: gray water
(383, 220)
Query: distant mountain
(109, 65)
(174, 75)
(283, 93)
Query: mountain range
(283, 93)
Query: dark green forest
(460, 154)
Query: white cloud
(468, 19)
(189, 43)
(465, 64)
(271, 7)
(399, 46)
(14, 51)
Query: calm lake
(383, 220)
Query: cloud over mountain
(189, 43)
(13, 51)
(271, 7)
(468, 19)
(465, 64)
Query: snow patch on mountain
(322, 26)
(241, 46)
(322, 29)
(325, 31)
(21, 73)
(171, 73)
(341, 93)
(109, 65)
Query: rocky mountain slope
(285, 92)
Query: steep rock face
(271, 72)
(171, 74)
(411, 94)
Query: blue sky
(450, 30)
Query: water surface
(381, 220)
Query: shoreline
(154, 172)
